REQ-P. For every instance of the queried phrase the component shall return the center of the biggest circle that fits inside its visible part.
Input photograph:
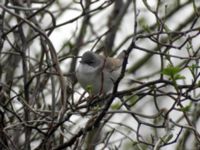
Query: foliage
(155, 103)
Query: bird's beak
(81, 61)
(79, 57)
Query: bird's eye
(90, 62)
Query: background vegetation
(155, 104)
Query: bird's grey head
(90, 59)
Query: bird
(97, 74)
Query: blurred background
(157, 104)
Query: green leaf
(186, 108)
(193, 67)
(89, 88)
(133, 99)
(116, 106)
(144, 25)
(178, 77)
(171, 71)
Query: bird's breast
(104, 79)
(85, 74)
(86, 69)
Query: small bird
(97, 74)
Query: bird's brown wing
(112, 64)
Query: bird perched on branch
(97, 74)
